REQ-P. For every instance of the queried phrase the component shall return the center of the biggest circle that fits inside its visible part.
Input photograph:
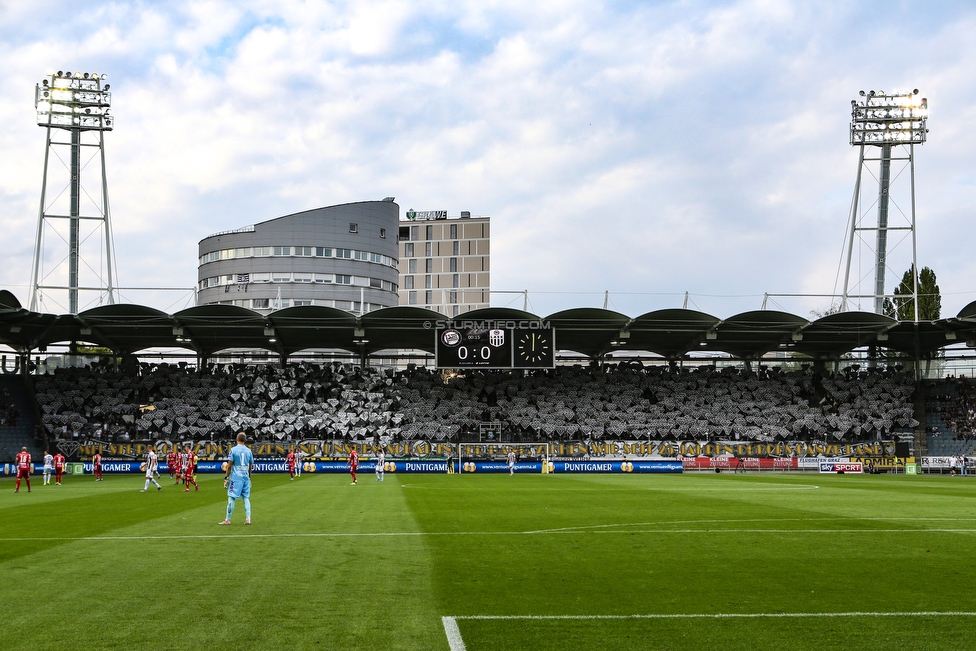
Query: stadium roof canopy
(672, 333)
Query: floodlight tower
(883, 122)
(78, 103)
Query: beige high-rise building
(445, 261)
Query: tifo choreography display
(143, 402)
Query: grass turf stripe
(921, 613)
(396, 534)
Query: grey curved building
(341, 256)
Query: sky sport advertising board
(841, 468)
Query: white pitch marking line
(453, 634)
(711, 616)
(406, 534)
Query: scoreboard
(495, 347)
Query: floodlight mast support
(884, 121)
(78, 103)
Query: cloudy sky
(647, 149)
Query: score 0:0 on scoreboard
(485, 346)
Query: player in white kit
(48, 467)
(380, 466)
(151, 462)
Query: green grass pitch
(327, 565)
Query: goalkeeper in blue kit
(237, 478)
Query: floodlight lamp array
(889, 119)
(79, 100)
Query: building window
(456, 280)
(353, 227)
(305, 251)
(343, 279)
(457, 248)
(429, 265)
(430, 232)
(383, 233)
(262, 251)
(408, 282)
(260, 303)
(412, 298)
(299, 302)
(429, 249)
(301, 277)
(281, 250)
(428, 281)
(281, 277)
(408, 250)
(323, 278)
(404, 233)
(429, 297)
(375, 283)
(415, 233)
(453, 231)
(411, 266)
(453, 264)
(261, 278)
(455, 310)
(343, 253)
(452, 296)
(323, 252)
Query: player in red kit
(171, 463)
(189, 465)
(97, 466)
(177, 466)
(58, 468)
(292, 461)
(353, 463)
(23, 469)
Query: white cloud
(646, 149)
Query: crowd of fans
(8, 410)
(955, 402)
(336, 401)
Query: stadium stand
(625, 401)
(16, 418)
(951, 416)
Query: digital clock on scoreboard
(481, 347)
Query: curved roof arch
(213, 328)
(313, 326)
(839, 333)
(968, 312)
(671, 332)
(403, 326)
(8, 301)
(127, 328)
(750, 335)
(587, 330)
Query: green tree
(929, 296)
